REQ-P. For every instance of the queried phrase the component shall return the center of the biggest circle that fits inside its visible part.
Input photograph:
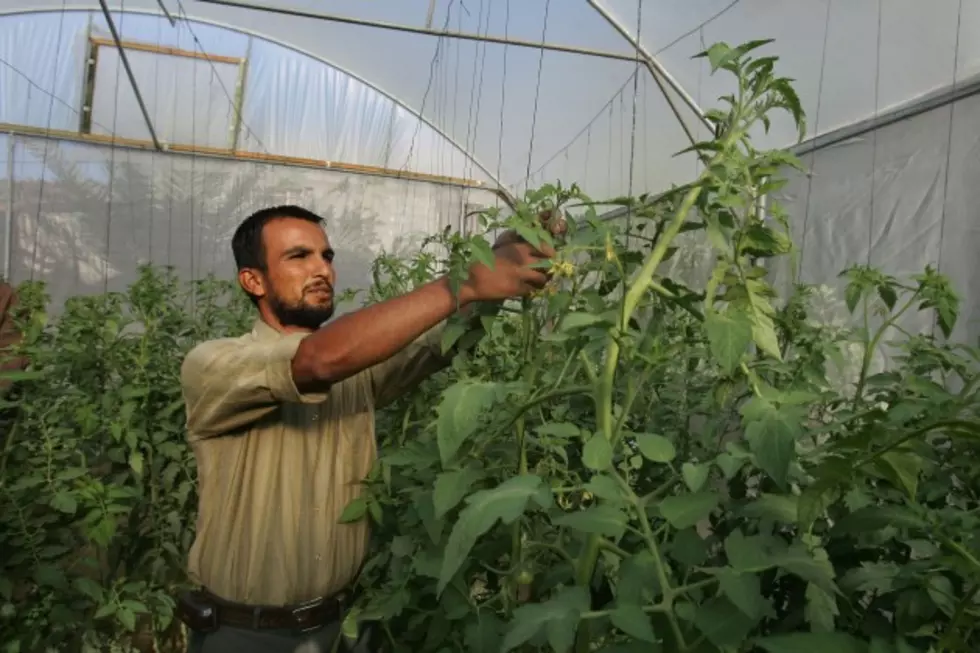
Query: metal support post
(129, 73)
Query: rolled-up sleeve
(230, 384)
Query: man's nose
(324, 269)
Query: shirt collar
(263, 331)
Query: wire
(949, 149)
(537, 93)
(696, 28)
(231, 101)
(816, 130)
(44, 158)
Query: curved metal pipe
(501, 189)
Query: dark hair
(247, 244)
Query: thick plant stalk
(635, 292)
(604, 403)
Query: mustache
(319, 285)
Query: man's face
(297, 286)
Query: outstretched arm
(372, 335)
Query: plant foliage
(632, 461)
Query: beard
(301, 314)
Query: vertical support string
(949, 147)
(537, 95)
(816, 130)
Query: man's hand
(512, 275)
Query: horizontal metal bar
(466, 36)
(934, 100)
(129, 73)
(220, 153)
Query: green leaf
(89, 588)
(815, 568)
(579, 320)
(718, 55)
(729, 336)
(821, 609)
(764, 334)
(459, 414)
(354, 511)
(597, 453)
(745, 593)
(729, 464)
(688, 509)
(773, 441)
(485, 633)
(778, 507)
(813, 643)
(605, 487)
(126, 618)
(875, 518)
(506, 502)
(600, 519)
(888, 295)
(940, 590)
(136, 462)
(901, 469)
(64, 502)
(558, 617)
(481, 251)
(563, 430)
(50, 576)
(632, 620)
(450, 488)
(655, 448)
(452, 332)
(745, 553)
(723, 624)
(105, 610)
(695, 475)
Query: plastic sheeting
(294, 105)
(850, 59)
(898, 198)
(96, 213)
(347, 93)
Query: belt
(308, 616)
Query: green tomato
(525, 577)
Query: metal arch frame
(500, 189)
(657, 71)
(656, 68)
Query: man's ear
(252, 282)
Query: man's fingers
(535, 278)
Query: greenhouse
(742, 416)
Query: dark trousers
(239, 640)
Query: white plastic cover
(348, 93)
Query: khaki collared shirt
(276, 467)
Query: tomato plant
(633, 461)
(97, 489)
(642, 458)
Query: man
(281, 421)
